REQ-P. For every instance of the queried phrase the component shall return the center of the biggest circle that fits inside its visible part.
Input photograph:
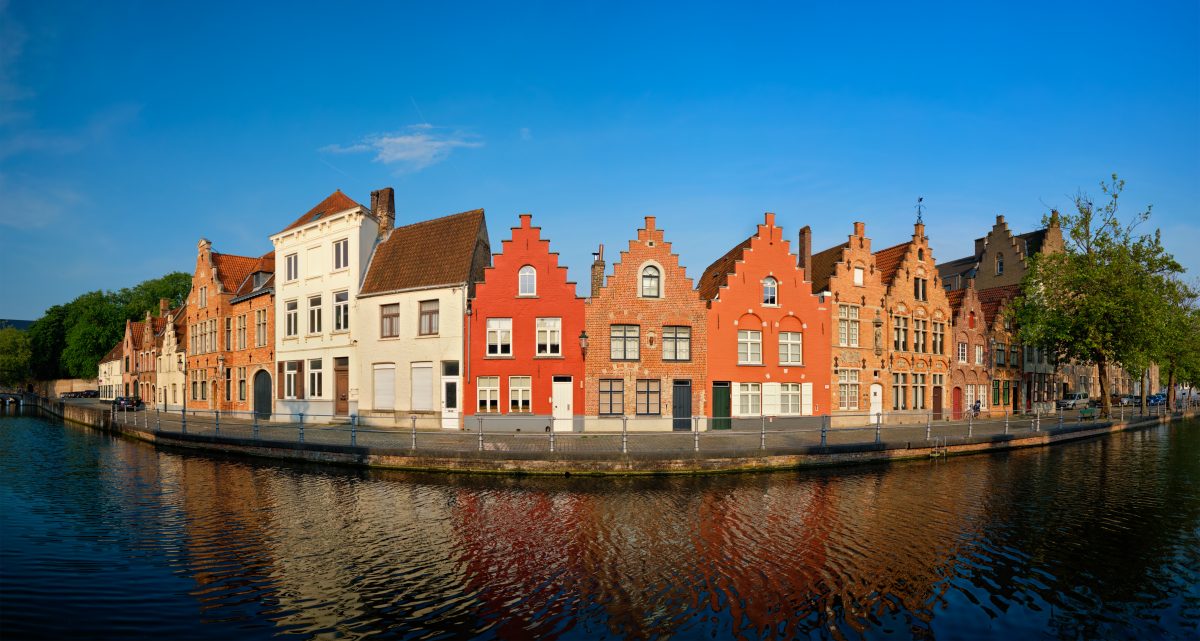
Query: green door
(722, 400)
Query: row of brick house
(350, 315)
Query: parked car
(128, 403)
(92, 393)
(1127, 400)
(1156, 399)
(1072, 401)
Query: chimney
(999, 219)
(383, 205)
(204, 246)
(1054, 218)
(598, 271)
(164, 305)
(804, 247)
(860, 229)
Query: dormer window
(260, 279)
(770, 291)
(527, 281)
(651, 282)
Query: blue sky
(130, 130)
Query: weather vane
(920, 209)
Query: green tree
(1099, 300)
(48, 337)
(1178, 335)
(15, 357)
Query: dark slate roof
(1033, 241)
(442, 251)
(822, 264)
(717, 274)
(334, 203)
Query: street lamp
(583, 342)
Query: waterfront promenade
(776, 444)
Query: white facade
(171, 367)
(110, 379)
(410, 373)
(318, 268)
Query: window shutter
(385, 387)
(806, 399)
(770, 398)
(299, 379)
(422, 386)
(279, 380)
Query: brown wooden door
(341, 391)
(937, 403)
(958, 405)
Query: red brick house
(522, 342)
(970, 352)
(646, 355)
(224, 356)
(768, 334)
(1008, 358)
(131, 348)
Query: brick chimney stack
(164, 305)
(598, 271)
(860, 229)
(383, 205)
(804, 248)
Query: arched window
(770, 291)
(527, 281)
(999, 264)
(650, 282)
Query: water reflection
(1095, 539)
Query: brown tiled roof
(335, 202)
(232, 270)
(264, 263)
(434, 252)
(821, 269)
(956, 299)
(716, 274)
(887, 261)
(114, 354)
(136, 328)
(992, 298)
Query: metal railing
(530, 436)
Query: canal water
(104, 538)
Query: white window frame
(291, 318)
(858, 276)
(648, 278)
(625, 343)
(770, 292)
(341, 311)
(291, 270)
(520, 394)
(848, 388)
(679, 337)
(290, 370)
(527, 281)
(790, 399)
(499, 337)
(979, 354)
(848, 325)
(962, 353)
(315, 379)
(314, 313)
(548, 336)
(487, 395)
(749, 399)
(749, 347)
(341, 254)
(791, 348)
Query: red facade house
(524, 356)
(768, 335)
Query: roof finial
(920, 209)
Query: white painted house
(408, 320)
(171, 366)
(319, 263)
(110, 374)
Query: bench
(1088, 413)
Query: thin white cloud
(413, 148)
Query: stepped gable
(823, 264)
(333, 203)
(717, 274)
(136, 329)
(993, 298)
(887, 261)
(430, 253)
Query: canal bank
(500, 456)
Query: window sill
(527, 296)
(676, 360)
(625, 360)
(428, 336)
(771, 306)
(498, 357)
(791, 364)
(751, 365)
(549, 357)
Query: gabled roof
(232, 270)
(821, 266)
(434, 252)
(115, 353)
(956, 299)
(887, 261)
(992, 298)
(334, 203)
(136, 328)
(264, 263)
(717, 274)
